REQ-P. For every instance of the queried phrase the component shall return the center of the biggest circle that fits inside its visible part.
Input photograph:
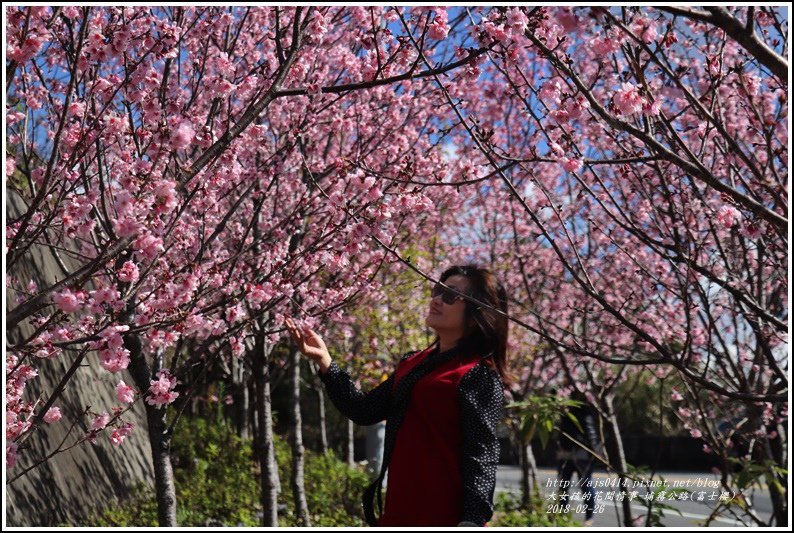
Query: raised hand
(310, 344)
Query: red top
(424, 484)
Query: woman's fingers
(300, 335)
(309, 342)
(311, 335)
(293, 330)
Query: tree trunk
(323, 430)
(240, 395)
(617, 458)
(264, 438)
(163, 472)
(351, 462)
(252, 412)
(298, 490)
(529, 473)
(159, 438)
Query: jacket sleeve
(363, 408)
(481, 399)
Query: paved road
(692, 512)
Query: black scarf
(399, 403)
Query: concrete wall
(69, 486)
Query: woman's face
(448, 318)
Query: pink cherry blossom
(148, 245)
(517, 19)
(575, 107)
(752, 82)
(100, 421)
(123, 202)
(128, 272)
(233, 314)
(125, 393)
(69, 301)
(11, 454)
(496, 31)
(604, 46)
(114, 360)
(52, 415)
(317, 28)
(120, 433)
(628, 99)
(728, 216)
(182, 136)
(126, 226)
(222, 249)
(644, 28)
(27, 50)
(438, 30)
(651, 108)
(751, 230)
(165, 196)
(108, 295)
(550, 91)
(571, 164)
(161, 390)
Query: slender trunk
(159, 438)
(298, 490)
(264, 423)
(323, 431)
(252, 412)
(525, 487)
(351, 462)
(163, 472)
(349, 440)
(617, 458)
(533, 468)
(239, 379)
(529, 473)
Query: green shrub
(213, 474)
(217, 483)
(333, 490)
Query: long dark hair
(488, 336)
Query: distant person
(573, 458)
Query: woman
(445, 401)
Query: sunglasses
(447, 296)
